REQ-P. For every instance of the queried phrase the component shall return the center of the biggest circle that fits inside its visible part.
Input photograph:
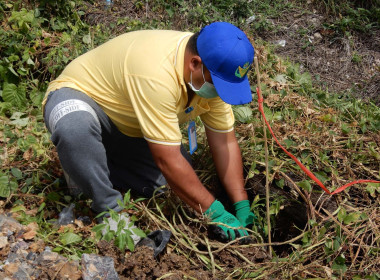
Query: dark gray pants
(95, 154)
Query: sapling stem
(266, 166)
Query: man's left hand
(244, 214)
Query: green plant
(32, 52)
(356, 16)
(119, 227)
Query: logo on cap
(240, 72)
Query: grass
(334, 135)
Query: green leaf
(322, 233)
(277, 116)
(16, 95)
(280, 78)
(342, 214)
(372, 188)
(138, 232)
(17, 115)
(339, 264)
(57, 249)
(101, 214)
(108, 236)
(114, 216)
(121, 241)
(36, 97)
(7, 187)
(70, 238)
(10, 68)
(127, 197)
(345, 129)
(305, 185)
(53, 196)
(18, 209)
(130, 243)
(289, 143)
(99, 227)
(352, 217)
(305, 79)
(322, 176)
(20, 122)
(374, 153)
(17, 173)
(306, 239)
(42, 206)
(280, 183)
(121, 225)
(243, 114)
(120, 203)
(87, 39)
(30, 62)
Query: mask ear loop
(191, 80)
(203, 75)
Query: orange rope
(307, 171)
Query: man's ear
(195, 63)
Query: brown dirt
(141, 264)
(339, 63)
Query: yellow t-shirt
(137, 79)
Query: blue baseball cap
(228, 54)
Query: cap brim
(233, 93)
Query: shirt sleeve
(155, 106)
(220, 117)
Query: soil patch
(141, 264)
(338, 63)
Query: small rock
(48, 257)
(317, 36)
(251, 19)
(281, 43)
(9, 223)
(70, 270)
(20, 245)
(38, 246)
(16, 257)
(31, 256)
(315, 21)
(54, 263)
(3, 241)
(97, 267)
(25, 271)
(11, 268)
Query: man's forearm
(181, 177)
(227, 158)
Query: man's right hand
(233, 228)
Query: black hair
(192, 43)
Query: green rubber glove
(219, 215)
(244, 214)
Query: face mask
(207, 90)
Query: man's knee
(75, 129)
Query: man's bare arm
(181, 176)
(227, 158)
